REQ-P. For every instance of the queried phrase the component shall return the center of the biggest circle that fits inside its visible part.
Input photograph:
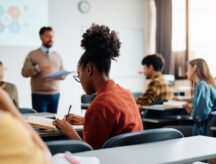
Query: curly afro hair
(100, 45)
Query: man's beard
(48, 44)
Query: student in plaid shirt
(158, 89)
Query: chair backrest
(151, 135)
(137, 94)
(87, 98)
(211, 123)
(186, 130)
(27, 110)
(73, 146)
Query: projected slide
(20, 21)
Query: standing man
(38, 64)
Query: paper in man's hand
(58, 74)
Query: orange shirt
(113, 112)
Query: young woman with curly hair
(114, 110)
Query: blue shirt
(45, 50)
(204, 101)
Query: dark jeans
(45, 103)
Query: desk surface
(56, 134)
(42, 114)
(159, 107)
(183, 150)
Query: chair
(72, 146)
(137, 94)
(211, 124)
(86, 100)
(27, 110)
(186, 130)
(151, 135)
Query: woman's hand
(188, 107)
(66, 128)
(74, 119)
(176, 98)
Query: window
(201, 34)
(179, 25)
(179, 37)
(202, 31)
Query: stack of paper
(174, 104)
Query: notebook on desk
(41, 122)
(174, 104)
(46, 123)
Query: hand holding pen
(65, 117)
(74, 119)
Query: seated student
(18, 142)
(157, 90)
(204, 99)
(8, 87)
(114, 110)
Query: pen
(69, 110)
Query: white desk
(159, 107)
(41, 114)
(183, 150)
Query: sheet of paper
(41, 122)
(174, 104)
(58, 74)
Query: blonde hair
(202, 71)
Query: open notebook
(41, 122)
(174, 104)
(46, 123)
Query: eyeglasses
(76, 77)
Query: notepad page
(172, 103)
(41, 121)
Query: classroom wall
(68, 22)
